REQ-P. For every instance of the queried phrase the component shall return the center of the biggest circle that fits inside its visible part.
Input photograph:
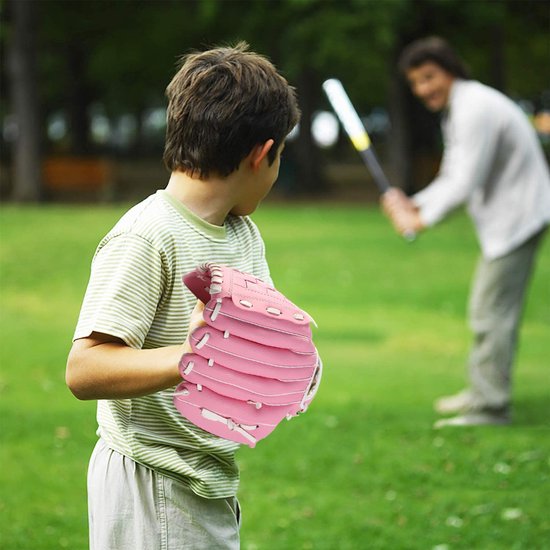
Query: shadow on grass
(532, 411)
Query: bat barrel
(358, 135)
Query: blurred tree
(141, 53)
(311, 40)
(22, 72)
(121, 54)
(126, 59)
(526, 49)
(69, 35)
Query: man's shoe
(474, 419)
(459, 403)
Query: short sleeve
(124, 290)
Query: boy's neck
(210, 199)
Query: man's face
(431, 84)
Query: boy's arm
(104, 367)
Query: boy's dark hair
(436, 50)
(221, 103)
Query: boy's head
(221, 104)
(430, 65)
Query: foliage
(115, 58)
(363, 468)
(132, 46)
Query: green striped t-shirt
(136, 293)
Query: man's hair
(436, 50)
(221, 104)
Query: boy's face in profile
(431, 84)
(259, 186)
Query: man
(494, 165)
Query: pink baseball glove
(253, 363)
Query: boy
(493, 163)
(155, 480)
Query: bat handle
(409, 235)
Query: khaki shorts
(131, 507)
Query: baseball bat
(356, 131)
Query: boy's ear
(259, 152)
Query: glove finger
(250, 357)
(227, 417)
(247, 387)
(259, 327)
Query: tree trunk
(309, 174)
(27, 181)
(78, 100)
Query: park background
(82, 126)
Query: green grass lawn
(363, 469)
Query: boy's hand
(195, 321)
